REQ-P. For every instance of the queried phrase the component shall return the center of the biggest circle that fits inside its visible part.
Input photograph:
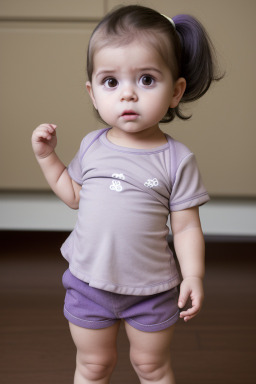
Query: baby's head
(184, 46)
(126, 24)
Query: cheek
(105, 107)
(157, 108)
(98, 100)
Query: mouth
(130, 115)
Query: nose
(128, 93)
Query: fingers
(189, 313)
(44, 140)
(45, 131)
(191, 298)
(184, 295)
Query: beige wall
(42, 76)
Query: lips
(129, 115)
(129, 112)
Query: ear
(178, 91)
(88, 85)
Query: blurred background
(42, 79)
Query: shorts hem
(154, 327)
(89, 324)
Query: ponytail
(197, 61)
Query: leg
(96, 353)
(150, 355)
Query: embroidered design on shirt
(116, 186)
(150, 183)
(118, 176)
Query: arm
(44, 141)
(190, 249)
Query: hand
(44, 140)
(191, 288)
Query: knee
(97, 368)
(150, 369)
(94, 372)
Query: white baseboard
(45, 212)
(35, 211)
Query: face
(132, 88)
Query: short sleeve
(75, 170)
(188, 189)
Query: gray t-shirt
(119, 243)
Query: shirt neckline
(120, 148)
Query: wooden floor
(36, 348)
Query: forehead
(133, 55)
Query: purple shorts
(94, 308)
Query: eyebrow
(151, 69)
(111, 71)
(105, 72)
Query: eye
(147, 80)
(110, 82)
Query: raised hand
(44, 140)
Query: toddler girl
(126, 180)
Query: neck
(149, 138)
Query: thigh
(96, 346)
(149, 347)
